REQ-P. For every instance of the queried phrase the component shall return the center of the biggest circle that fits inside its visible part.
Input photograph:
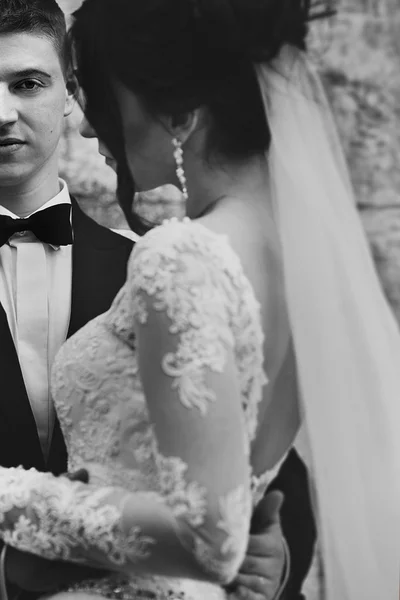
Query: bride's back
(251, 231)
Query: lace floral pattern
(186, 499)
(180, 285)
(167, 277)
(234, 526)
(88, 520)
(192, 277)
(232, 523)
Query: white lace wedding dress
(170, 473)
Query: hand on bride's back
(261, 573)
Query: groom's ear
(183, 125)
(71, 93)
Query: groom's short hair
(39, 17)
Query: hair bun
(257, 29)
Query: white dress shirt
(35, 291)
(128, 233)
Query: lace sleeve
(184, 296)
(197, 526)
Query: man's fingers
(81, 475)
(266, 545)
(261, 571)
(267, 512)
(252, 587)
(243, 593)
(252, 565)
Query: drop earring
(180, 173)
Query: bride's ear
(182, 126)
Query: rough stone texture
(361, 68)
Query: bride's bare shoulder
(253, 237)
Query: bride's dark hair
(178, 55)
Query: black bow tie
(51, 225)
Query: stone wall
(359, 55)
(362, 69)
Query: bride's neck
(208, 184)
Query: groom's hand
(81, 475)
(261, 572)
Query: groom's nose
(8, 109)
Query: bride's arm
(199, 531)
(197, 526)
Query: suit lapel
(18, 427)
(99, 259)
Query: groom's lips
(10, 145)
(10, 141)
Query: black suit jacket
(297, 519)
(99, 261)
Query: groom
(58, 270)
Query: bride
(258, 311)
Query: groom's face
(33, 103)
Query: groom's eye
(29, 85)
